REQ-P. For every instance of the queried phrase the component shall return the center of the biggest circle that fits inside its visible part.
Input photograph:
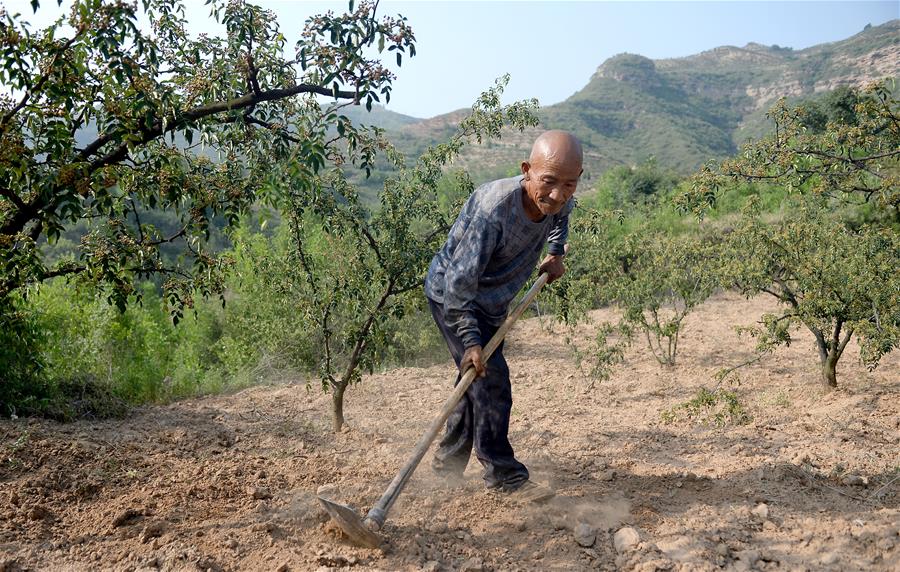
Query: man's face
(550, 183)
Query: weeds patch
(11, 450)
(718, 408)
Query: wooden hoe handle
(375, 519)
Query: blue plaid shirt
(490, 252)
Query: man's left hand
(553, 265)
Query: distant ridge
(682, 111)
(379, 116)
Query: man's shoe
(532, 492)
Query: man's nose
(558, 195)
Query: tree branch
(855, 161)
(821, 344)
(844, 341)
(64, 271)
(373, 245)
(836, 335)
(29, 210)
(247, 100)
(41, 81)
(364, 331)
(178, 234)
(267, 125)
(13, 197)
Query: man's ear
(526, 166)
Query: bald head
(551, 173)
(560, 147)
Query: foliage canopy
(831, 256)
(353, 267)
(187, 124)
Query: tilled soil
(810, 482)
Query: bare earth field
(229, 482)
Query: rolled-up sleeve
(469, 260)
(559, 234)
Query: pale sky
(551, 49)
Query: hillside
(378, 116)
(682, 111)
(685, 111)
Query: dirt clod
(472, 565)
(260, 493)
(153, 530)
(40, 512)
(751, 557)
(127, 516)
(761, 510)
(328, 491)
(626, 539)
(209, 564)
(336, 560)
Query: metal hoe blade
(351, 524)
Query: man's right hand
(473, 358)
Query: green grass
(718, 408)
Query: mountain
(682, 111)
(379, 117)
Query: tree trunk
(831, 351)
(337, 391)
(337, 406)
(829, 369)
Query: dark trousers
(481, 417)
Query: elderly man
(490, 252)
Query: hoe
(364, 532)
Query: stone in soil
(127, 516)
(209, 563)
(260, 493)
(336, 560)
(328, 490)
(153, 530)
(761, 510)
(747, 558)
(472, 565)
(626, 539)
(585, 535)
(855, 481)
(39, 512)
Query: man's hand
(553, 265)
(473, 358)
